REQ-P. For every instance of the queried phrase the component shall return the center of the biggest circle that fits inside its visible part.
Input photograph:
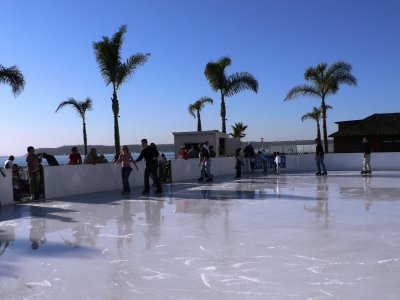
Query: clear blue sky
(51, 43)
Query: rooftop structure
(383, 131)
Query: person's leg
(317, 160)
(127, 187)
(368, 162)
(123, 179)
(202, 171)
(156, 179)
(37, 183)
(147, 172)
(238, 172)
(323, 164)
(208, 167)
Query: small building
(382, 131)
(224, 145)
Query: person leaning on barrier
(91, 157)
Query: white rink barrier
(388, 161)
(63, 181)
(6, 188)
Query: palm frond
(191, 109)
(238, 130)
(224, 62)
(132, 63)
(203, 100)
(302, 90)
(238, 82)
(215, 76)
(108, 55)
(13, 77)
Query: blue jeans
(208, 167)
(125, 172)
(320, 162)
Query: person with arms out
(74, 157)
(366, 157)
(277, 162)
(150, 154)
(33, 162)
(125, 158)
(319, 158)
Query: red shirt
(75, 159)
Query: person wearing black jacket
(150, 154)
(366, 157)
(319, 157)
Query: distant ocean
(63, 159)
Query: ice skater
(277, 162)
(319, 158)
(126, 158)
(366, 157)
(239, 163)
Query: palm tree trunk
(323, 106)
(84, 137)
(115, 109)
(223, 112)
(318, 131)
(198, 121)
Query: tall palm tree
(324, 81)
(197, 107)
(13, 77)
(228, 85)
(114, 71)
(315, 115)
(80, 107)
(238, 130)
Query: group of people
(156, 164)
(155, 167)
(319, 157)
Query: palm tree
(80, 107)
(325, 81)
(315, 115)
(197, 107)
(238, 130)
(114, 71)
(228, 85)
(13, 77)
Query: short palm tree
(114, 71)
(197, 107)
(228, 85)
(81, 107)
(238, 130)
(324, 81)
(315, 115)
(13, 77)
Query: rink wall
(62, 181)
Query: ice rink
(293, 236)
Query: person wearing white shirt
(277, 162)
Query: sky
(51, 43)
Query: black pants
(151, 170)
(238, 171)
(125, 172)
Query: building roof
(376, 124)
